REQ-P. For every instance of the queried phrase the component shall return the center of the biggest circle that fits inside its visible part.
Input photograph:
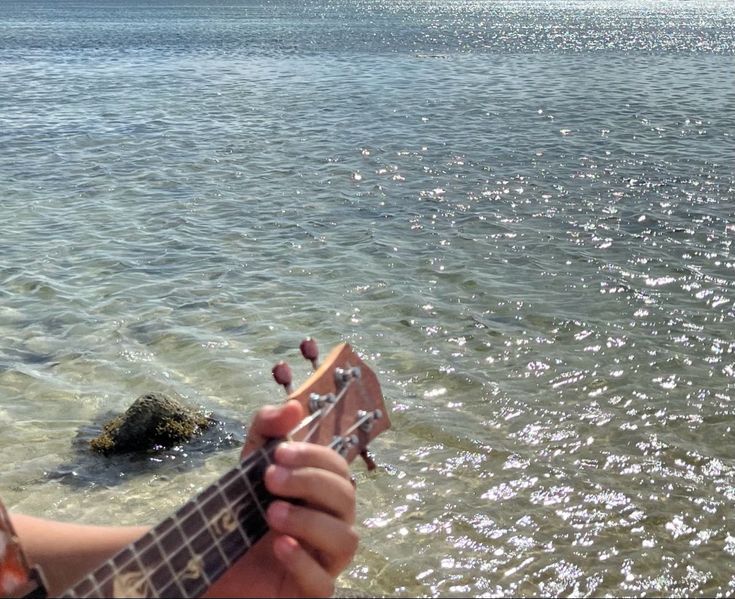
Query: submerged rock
(137, 447)
(153, 422)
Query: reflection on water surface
(518, 211)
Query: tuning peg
(310, 351)
(282, 374)
(368, 459)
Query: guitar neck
(183, 555)
(192, 548)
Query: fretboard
(189, 550)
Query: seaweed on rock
(157, 436)
(154, 421)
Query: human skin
(312, 537)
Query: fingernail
(278, 513)
(286, 452)
(284, 548)
(268, 411)
(278, 475)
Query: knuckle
(299, 449)
(314, 486)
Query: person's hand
(312, 537)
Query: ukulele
(183, 555)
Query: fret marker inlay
(194, 568)
(223, 522)
(131, 584)
(185, 553)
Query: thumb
(272, 422)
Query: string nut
(282, 375)
(310, 351)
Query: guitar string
(165, 563)
(165, 559)
(240, 471)
(313, 419)
(330, 407)
(149, 538)
(176, 522)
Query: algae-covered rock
(88, 469)
(154, 421)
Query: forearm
(66, 552)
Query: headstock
(342, 398)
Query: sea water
(519, 212)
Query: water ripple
(520, 211)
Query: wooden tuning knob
(282, 374)
(310, 351)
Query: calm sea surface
(520, 212)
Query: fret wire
(186, 540)
(96, 581)
(149, 536)
(72, 593)
(167, 561)
(267, 457)
(207, 528)
(115, 573)
(189, 547)
(147, 574)
(96, 586)
(226, 562)
(189, 550)
(254, 496)
(100, 584)
(234, 471)
(238, 472)
(243, 533)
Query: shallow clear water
(519, 212)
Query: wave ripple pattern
(521, 211)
